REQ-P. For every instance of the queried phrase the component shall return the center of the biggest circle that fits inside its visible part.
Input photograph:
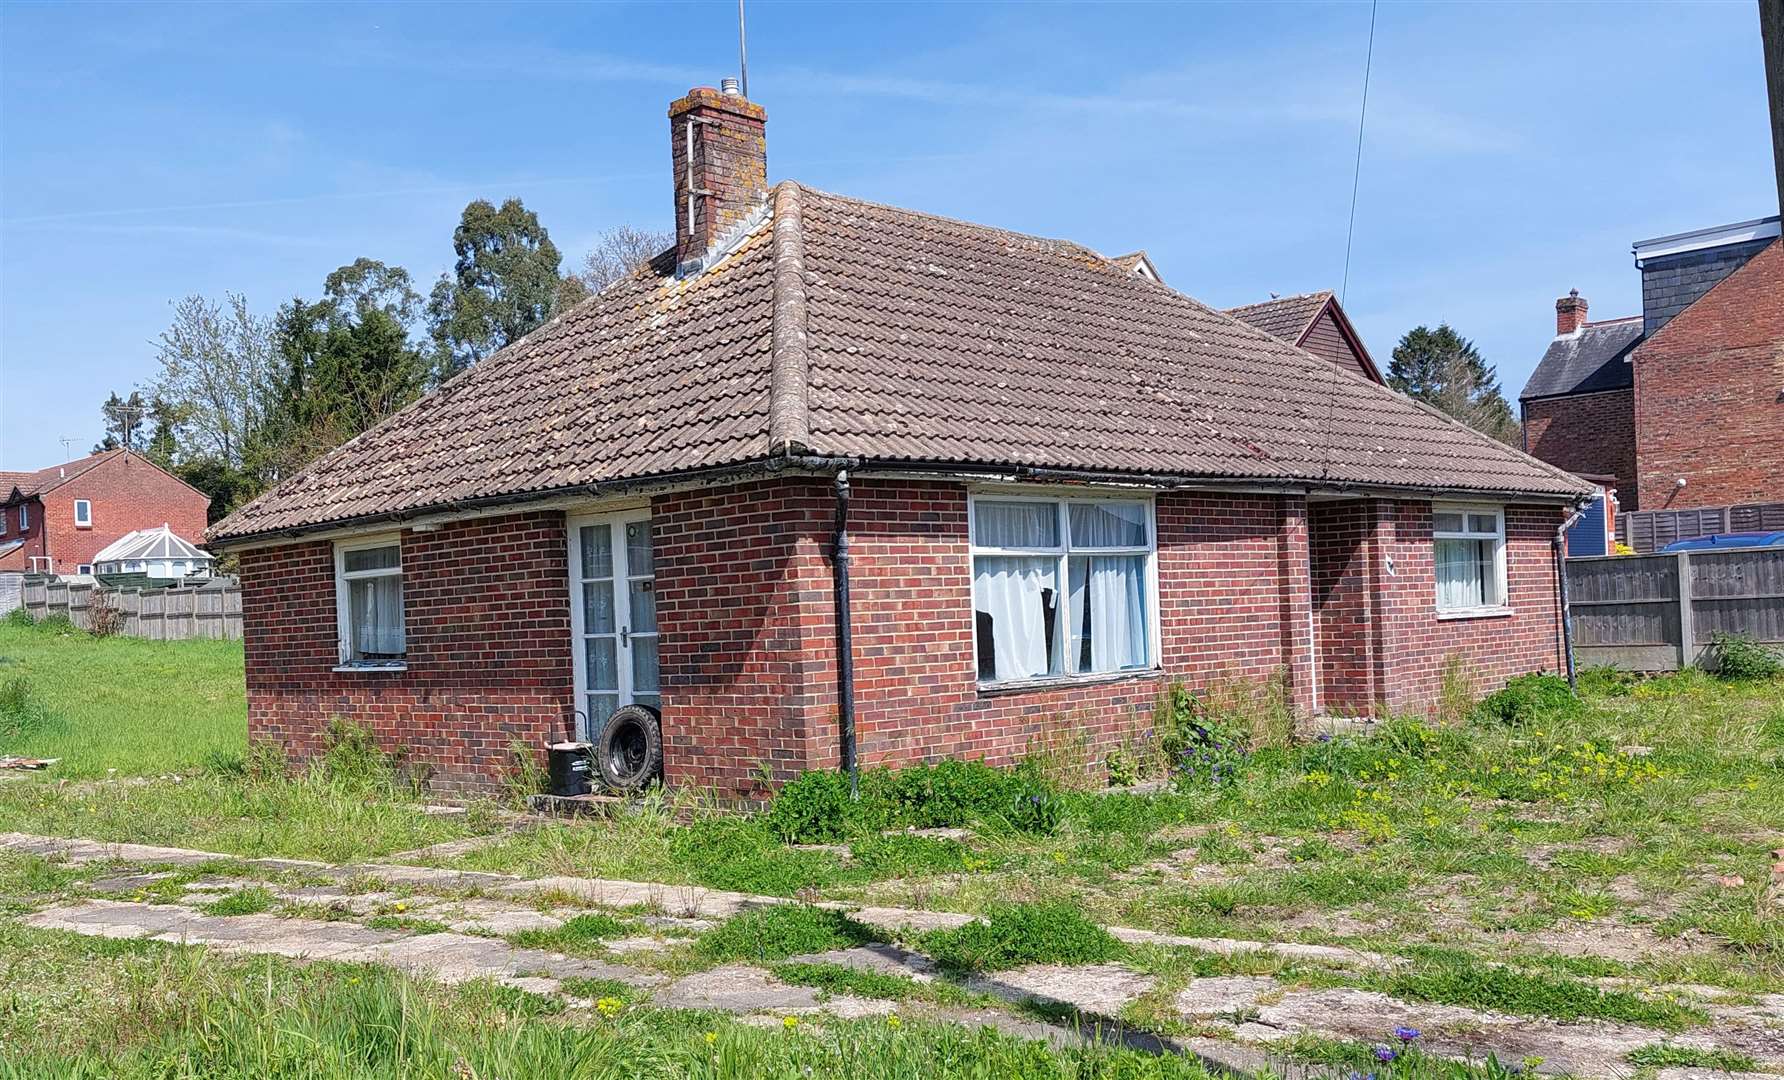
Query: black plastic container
(569, 768)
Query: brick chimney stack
(721, 167)
(1570, 313)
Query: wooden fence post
(1687, 635)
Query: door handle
(625, 637)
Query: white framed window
(369, 600)
(1062, 586)
(83, 514)
(84, 568)
(24, 516)
(1468, 547)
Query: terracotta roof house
(1315, 322)
(834, 482)
(56, 520)
(1602, 403)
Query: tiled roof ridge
(1068, 247)
(1611, 322)
(789, 415)
(1324, 293)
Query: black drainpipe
(845, 651)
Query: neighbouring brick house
(1315, 322)
(57, 519)
(1700, 405)
(1060, 486)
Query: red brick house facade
(1709, 394)
(62, 516)
(1039, 487)
(1710, 415)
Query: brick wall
(1383, 647)
(126, 493)
(1417, 645)
(747, 618)
(747, 647)
(1345, 558)
(1709, 395)
(488, 636)
(1587, 433)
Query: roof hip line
(789, 412)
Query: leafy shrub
(1017, 934)
(812, 809)
(816, 807)
(1741, 659)
(1529, 698)
(19, 617)
(577, 934)
(1602, 680)
(250, 901)
(783, 930)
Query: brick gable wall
(1709, 394)
(1587, 433)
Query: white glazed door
(613, 615)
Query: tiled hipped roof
(839, 327)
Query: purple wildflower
(1406, 1034)
(1385, 1054)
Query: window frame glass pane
(351, 586)
(1071, 651)
(1470, 531)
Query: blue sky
(1513, 151)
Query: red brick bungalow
(1061, 486)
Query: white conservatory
(155, 552)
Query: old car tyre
(629, 748)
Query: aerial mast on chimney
(743, 54)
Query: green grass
(250, 901)
(1502, 989)
(778, 932)
(581, 934)
(90, 1008)
(1012, 935)
(139, 707)
(1663, 1056)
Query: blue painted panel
(1587, 535)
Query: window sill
(372, 667)
(1056, 682)
(1475, 613)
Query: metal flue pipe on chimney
(1771, 34)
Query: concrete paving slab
(892, 918)
(886, 959)
(1222, 994)
(737, 988)
(1095, 989)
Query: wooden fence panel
(171, 614)
(1650, 530)
(1631, 612)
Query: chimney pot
(1570, 313)
(719, 152)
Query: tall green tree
(349, 362)
(1443, 369)
(504, 284)
(126, 422)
